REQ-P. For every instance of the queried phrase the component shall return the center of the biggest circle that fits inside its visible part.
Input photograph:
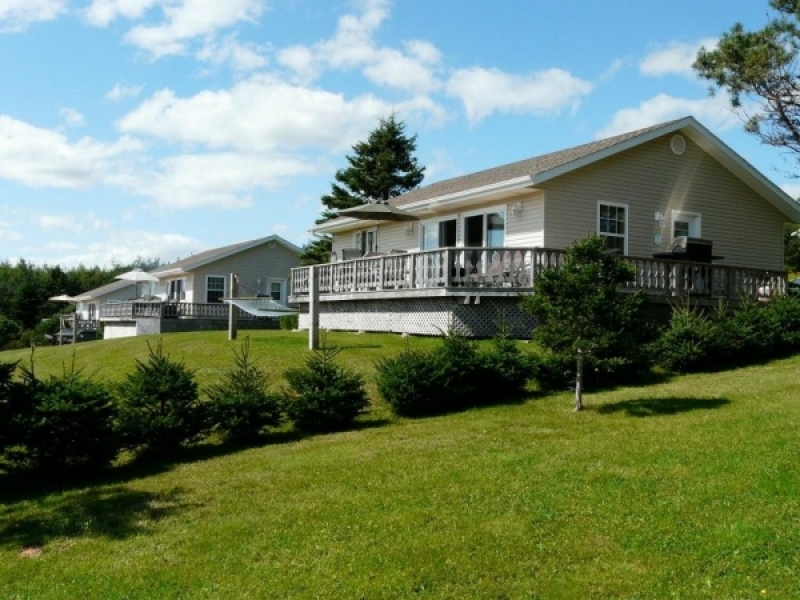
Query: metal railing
(517, 268)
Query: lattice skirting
(425, 316)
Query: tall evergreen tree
(380, 168)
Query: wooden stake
(233, 311)
(579, 383)
(313, 308)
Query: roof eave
(437, 202)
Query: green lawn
(684, 489)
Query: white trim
(693, 218)
(224, 287)
(627, 222)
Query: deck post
(75, 327)
(313, 308)
(233, 311)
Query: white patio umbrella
(137, 276)
(62, 298)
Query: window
(687, 224)
(367, 241)
(441, 234)
(612, 225)
(485, 230)
(176, 293)
(276, 290)
(215, 288)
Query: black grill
(690, 249)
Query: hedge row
(70, 421)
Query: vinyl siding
(259, 263)
(744, 227)
(526, 229)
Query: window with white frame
(215, 288)
(685, 224)
(366, 241)
(438, 234)
(612, 225)
(275, 289)
(486, 229)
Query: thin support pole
(579, 383)
(233, 310)
(313, 307)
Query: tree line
(26, 311)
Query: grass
(682, 489)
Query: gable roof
(208, 256)
(114, 286)
(530, 172)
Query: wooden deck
(132, 310)
(506, 272)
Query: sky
(160, 128)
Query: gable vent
(677, 144)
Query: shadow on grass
(650, 407)
(114, 512)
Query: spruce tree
(380, 168)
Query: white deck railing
(517, 268)
(168, 310)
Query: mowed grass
(688, 488)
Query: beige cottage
(481, 238)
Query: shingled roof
(522, 168)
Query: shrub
(783, 318)
(409, 382)
(290, 322)
(504, 369)
(159, 406)
(690, 342)
(241, 404)
(582, 306)
(63, 422)
(11, 402)
(323, 396)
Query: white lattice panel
(425, 316)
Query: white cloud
(188, 19)
(39, 157)
(72, 118)
(352, 46)
(675, 58)
(121, 92)
(217, 180)
(793, 189)
(258, 114)
(71, 224)
(101, 13)
(485, 91)
(712, 111)
(615, 67)
(118, 247)
(242, 57)
(16, 15)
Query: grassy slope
(685, 489)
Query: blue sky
(160, 128)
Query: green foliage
(582, 305)
(62, 422)
(9, 331)
(289, 322)
(791, 246)
(316, 251)
(322, 395)
(697, 341)
(505, 370)
(761, 64)
(381, 168)
(159, 406)
(11, 402)
(241, 404)
(452, 377)
(409, 382)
